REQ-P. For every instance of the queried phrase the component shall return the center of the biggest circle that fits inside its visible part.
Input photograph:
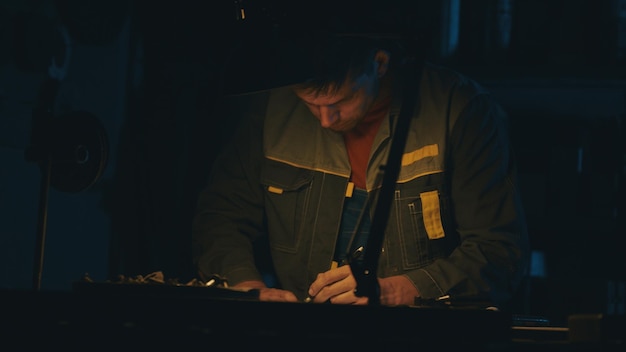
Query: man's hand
(267, 294)
(397, 291)
(337, 286)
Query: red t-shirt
(359, 142)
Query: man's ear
(382, 58)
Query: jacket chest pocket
(420, 220)
(287, 193)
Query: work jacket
(455, 224)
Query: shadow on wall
(68, 45)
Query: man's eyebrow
(333, 103)
(340, 100)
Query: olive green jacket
(456, 224)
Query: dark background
(153, 73)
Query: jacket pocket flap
(279, 177)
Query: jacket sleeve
(492, 256)
(229, 212)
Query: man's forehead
(329, 95)
(332, 92)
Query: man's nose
(328, 115)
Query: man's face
(344, 108)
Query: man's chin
(341, 128)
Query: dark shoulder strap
(365, 272)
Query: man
(304, 169)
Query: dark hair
(334, 59)
(318, 45)
(328, 44)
